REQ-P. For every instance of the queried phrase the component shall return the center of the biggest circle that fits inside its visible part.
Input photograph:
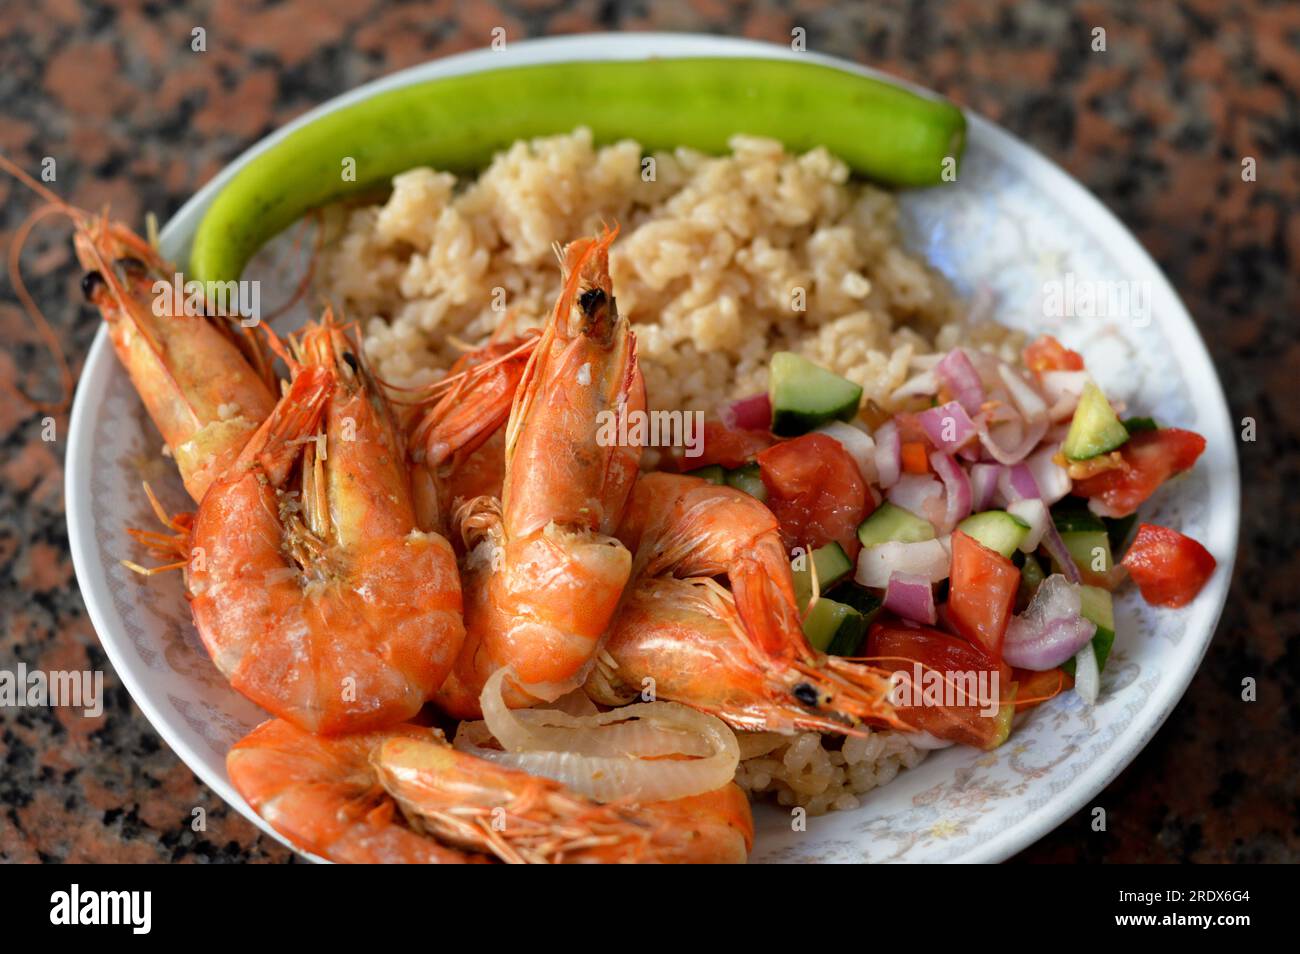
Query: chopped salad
(978, 527)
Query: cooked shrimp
(402, 795)
(457, 442)
(472, 402)
(193, 373)
(207, 383)
(323, 795)
(328, 607)
(544, 573)
(739, 654)
(480, 806)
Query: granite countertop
(1156, 126)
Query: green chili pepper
(458, 122)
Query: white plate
(1013, 222)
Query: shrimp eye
(806, 694)
(90, 283)
(351, 359)
(590, 300)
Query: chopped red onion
(922, 384)
(1057, 435)
(857, 444)
(1050, 630)
(1055, 546)
(1062, 389)
(910, 596)
(1017, 483)
(1053, 480)
(919, 494)
(948, 426)
(1087, 675)
(889, 454)
(983, 481)
(927, 559)
(1035, 513)
(1026, 439)
(1033, 423)
(749, 414)
(1028, 401)
(960, 377)
(956, 487)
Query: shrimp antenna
(82, 220)
(304, 283)
(53, 206)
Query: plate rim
(178, 232)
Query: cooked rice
(823, 773)
(714, 255)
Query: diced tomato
(1150, 458)
(815, 490)
(727, 446)
(916, 458)
(1168, 567)
(890, 645)
(1048, 354)
(1035, 688)
(982, 589)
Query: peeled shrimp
(740, 653)
(403, 795)
(325, 604)
(544, 574)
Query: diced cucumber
(832, 565)
(1072, 515)
(1002, 721)
(713, 473)
(834, 624)
(1031, 575)
(1098, 607)
(1101, 646)
(805, 395)
(996, 529)
(1087, 546)
(1135, 424)
(747, 478)
(862, 600)
(1096, 428)
(889, 523)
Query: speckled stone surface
(1157, 126)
